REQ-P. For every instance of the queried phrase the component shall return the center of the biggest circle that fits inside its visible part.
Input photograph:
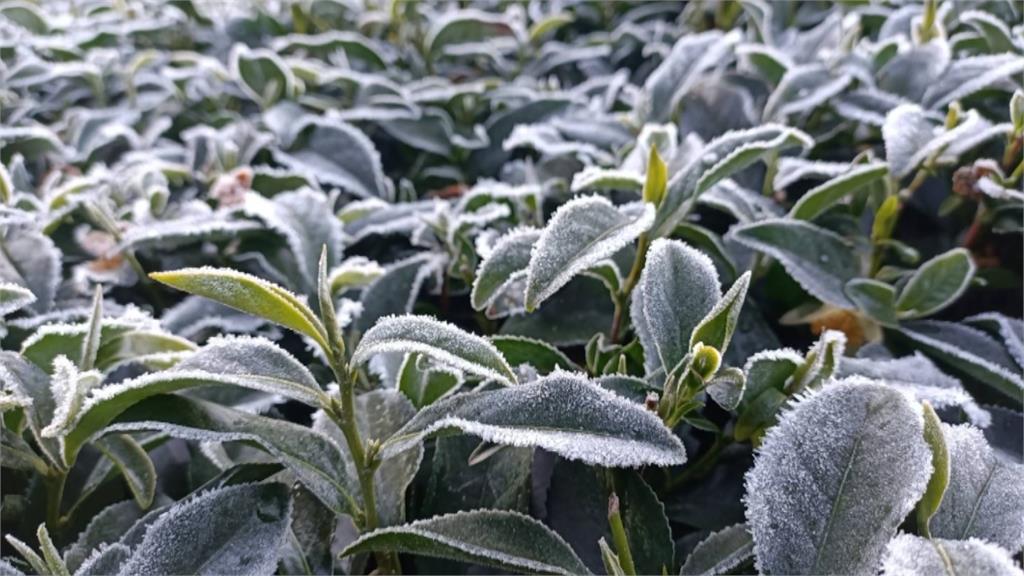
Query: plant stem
(619, 536)
(54, 494)
(627, 288)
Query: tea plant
(332, 287)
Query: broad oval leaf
(855, 455)
(506, 264)
(909, 555)
(337, 154)
(936, 284)
(978, 502)
(520, 350)
(678, 289)
(820, 260)
(599, 428)
(874, 298)
(234, 530)
(249, 294)
(262, 74)
(823, 197)
(441, 341)
(581, 233)
(314, 459)
(720, 552)
(501, 539)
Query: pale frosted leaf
(234, 530)
(396, 290)
(909, 555)
(823, 197)
(967, 350)
(792, 170)
(727, 387)
(507, 262)
(338, 154)
(505, 540)
(438, 340)
(997, 34)
(353, 272)
(936, 284)
(468, 26)
(562, 413)
(14, 297)
(802, 89)
(374, 217)
(31, 260)
(105, 560)
(134, 464)
(984, 495)
(831, 504)
(820, 260)
(906, 131)
(965, 76)
(690, 57)
(1009, 330)
(262, 74)
(314, 459)
(581, 233)
(106, 527)
(379, 414)
(171, 234)
(595, 178)
(720, 552)
(569, 318)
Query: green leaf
(820, 260)
(261, 74)
(233, 530)
(656, 181)
(601, 429)
(424, 384)
(440, 341)
(314, 459)
(821, 198)
(721, 552)
(909, 555)
(716, 328)
(678, 288)
(936, 284)
(464, 26)
(240, 361)
(874, 298)
(132, 460)
(501, 269)
(545, 26)
(104, 528)
(856, 481)
(249, 294)
(500, 539)
(643, 515)
(581, 233)
(91, 341)
(338, 154)
(981, 486)
(932, 497)
(544, 357)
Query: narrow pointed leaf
(134, 463)
(819, 199)
(717, 327)
(506, 263)
(721, 552)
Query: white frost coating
(906, 131)
(786, 136)
(909, 555)
(792, 170)
(834, 479)
(563, 413)
(581, 233)
(966, 76)
(677, 289)
(14, 297)
(975, 348)
(1011, 330)
(691, 55)
(593, 177)
(985, 495)
(920, 377)
(238, 529)
(436, 339)
(720, 552)
(354, 272)
(503, 266)
(69, 387)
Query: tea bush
(330, 286)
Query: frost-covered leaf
(721, 552)
(720, 159)
(1009, 330)
(239, 529)
(464, 26)
(424, 384)
(354, 272)
(14, 297)
(396, 290)
(507, 262)
(501, 539)
(874, 298)
(936, 284)
(691, 56)
(262, 74)
(248, 294)
(823, 197)
(727, 388)
(440, 341)
(314, 459)
(966, 76)
(594, 178)
(31, 260)
(678, 289)
(581, 233)
(106, 527)
(717, 327)
(542, 356)
(820, 260)
(569, 318)
(983, 487)
(562, 413)
(968, 351)
(906, 132)
(909, 555)
(832, 504)
(134, 463)
(337, 154)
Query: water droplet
(823, 258)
